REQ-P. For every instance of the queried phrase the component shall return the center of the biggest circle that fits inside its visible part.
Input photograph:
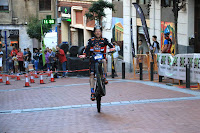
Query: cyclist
(96, 44)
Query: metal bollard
(123, 70)
(141, 74)
(160, 78)
(112, 66)
(151, 67)
(188, 76)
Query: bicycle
(100, 89)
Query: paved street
(130, 106)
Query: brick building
(14, 16)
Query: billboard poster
(169, 28)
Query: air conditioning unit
(59, 9)
(59, 20)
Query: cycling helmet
(97, 27)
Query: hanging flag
(144, 25)
(43, 47)
(132, 43)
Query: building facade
(73, 27)
(14, 16)
(159, 18)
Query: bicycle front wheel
(98, 99)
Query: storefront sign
(66, 12)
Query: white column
(183, 27)
(155, 20)
(107, 23)
(127, 33)
(134, 19)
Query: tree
(96, 11)
(34, 28)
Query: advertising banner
(175, 66)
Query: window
(4, 6)
(142, 2)
(44, 5)
(167, 3)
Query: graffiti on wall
(168, 27)
(117, 28)
(117, 32)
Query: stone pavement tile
(169, 117)
(60, 81)
(76, 95)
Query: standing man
(36, 59)
(29, 54)
(156, 46)
(52, 58)
(116, 55)
(62, 58)
(167, 44)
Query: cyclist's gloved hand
(112, 49)
(82, 56)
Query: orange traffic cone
(7, 81)
(32, 79)
(18, 77)
(36, 75)
(52, 78)
(41, 80)
(1, 80)
(27, 82)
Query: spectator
(16, 64)
(47, 49)
(25, 53)
(29, 55)
(167, 44)
(10, 63)
(1, 52)
(116, 55)
(140, 47)
(36, 59)
(1, 61)
(14, 50)
(20, 57)
(40, 60)
(62, 58)
(156, 47)
(47, 59)
(140, 50)
(52, 59)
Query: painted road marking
(146, 101)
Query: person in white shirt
(1, 60)
(116, 55)
(156, 46)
